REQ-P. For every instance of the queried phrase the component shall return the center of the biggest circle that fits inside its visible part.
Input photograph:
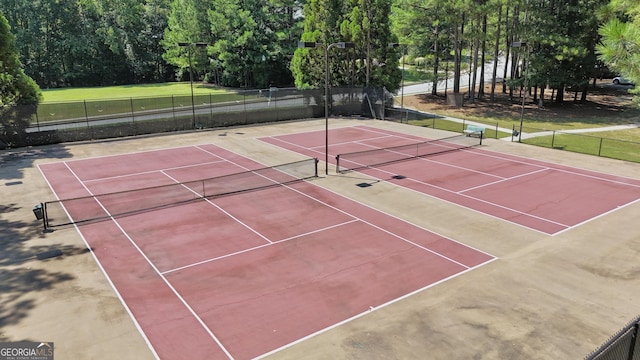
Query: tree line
(552, 44)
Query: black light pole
(189, 46)
(340, 45)
(522, 44)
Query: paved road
(464, 80)
(425, 88)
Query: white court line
(374, 225)
(501, 180)
(460, 193)
(368, 311)
(385, 213)
(155, 269)
(104, 272)
(299, 146)
(542, 168)
(520, 160)
(154, 171)
(256, 247)
(129, 153)
(431, 232)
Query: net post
(315, 164)
(481, 136)
(338, 164)
(45, 217)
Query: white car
(619, 80)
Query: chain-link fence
(586, 143)
(624, 345)
(101, 119)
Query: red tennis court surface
(546, 197)
(245, 275)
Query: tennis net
(100, 207)
(377, 157)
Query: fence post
(133, 115)
(45, 218)
(600, 147)
(173, 111)
(496, 131)
(553, 139)
(633, 341)
(463, 120)
(211, 110)
(244, 103)
(86, 113)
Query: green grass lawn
(126, 91)
(444, 124)
(593, 144)
(101, 102)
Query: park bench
(474, 130)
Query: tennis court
(216, 256)
(542, 297)
(541, 196)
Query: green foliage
(363, 23)
(249, 41)
(253, 42)
(562, 39)
(19, 94)
(620, 46)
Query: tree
(620, 46)
(19, 94)
(250, 41)
(362, 22)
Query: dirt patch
(606, 104)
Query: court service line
(473, 198)
(429, 157)
(368, 311)
(221, 209)
(130, 153)
(557, 167)
(104, 272)
(355, 142)
(600, 215)
(391, 133)
(367, 222)
(153, 171)
(156, 270)
(382, 229)
(202, 262)
(299, 146)
(501, 180)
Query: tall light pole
(395, 45)
(189, 46)
(523, 44)
(339, 45)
